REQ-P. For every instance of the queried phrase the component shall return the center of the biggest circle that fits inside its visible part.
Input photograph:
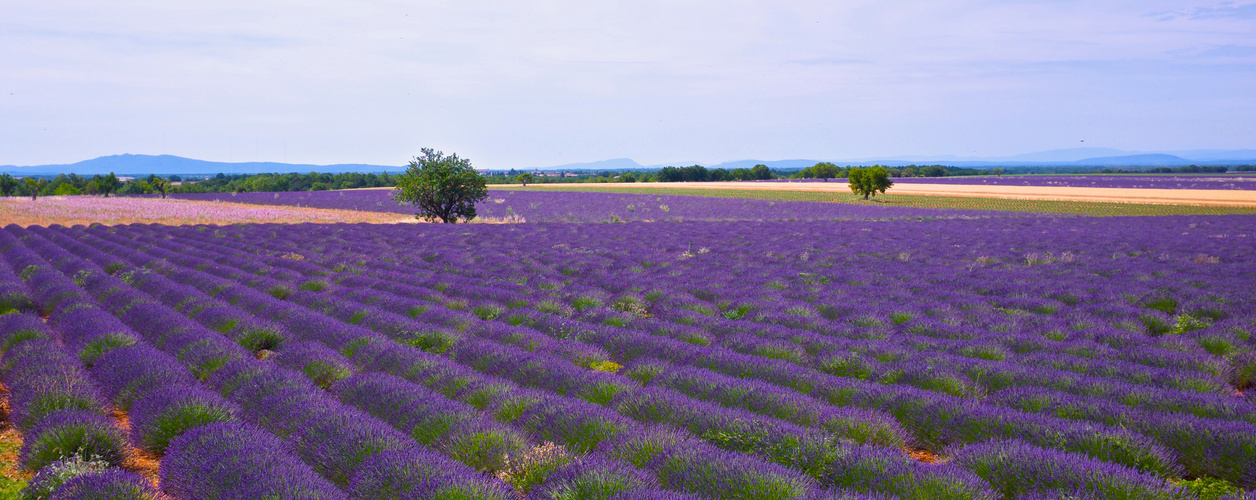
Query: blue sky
(521, 84)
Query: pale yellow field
(1206, 197)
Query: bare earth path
(1206, 197)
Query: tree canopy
(33, 185)
(441, 187)
(869, 181)
(7, 184)
(823, 170)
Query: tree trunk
(865, 196)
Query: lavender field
(576, 206)
(991, 358)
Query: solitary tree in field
(760, 172)
(441, 187)
(160, 185)
(869, 181)
(33, 185)
(525, 178)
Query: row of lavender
(558, 308)
(575, 206)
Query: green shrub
(279, 291)
(314, 285)
(259, 339)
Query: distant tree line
(313, 181)
(105, 185)
(692, 173)
(72, 184)
(62, 184)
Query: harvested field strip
(72, 210)
(1090, 208)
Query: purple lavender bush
(166, 413)
(231, 460)
(594, 477)
(44, 379)
(65, 433)
(112, 484)
(127, 374)
(1015, 468)
(17, 328)
(53, 475)
(319, 363)
(880, 470)
(413, 474)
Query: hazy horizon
(513, 86)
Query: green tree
(160, 185)
(441, 187)
(823, 170)
(525, 178)
(869, 181)
(66, 189)
(106, 184)
(628, 177)
(33, 186)
(760, 172)
(7, 184)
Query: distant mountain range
(129, 164)
(167, 165)
(1075, 157)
